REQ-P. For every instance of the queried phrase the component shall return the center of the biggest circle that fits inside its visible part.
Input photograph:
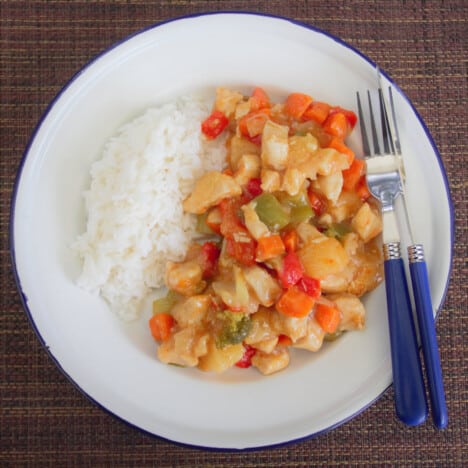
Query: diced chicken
(239, 146)
(353, 313)
(323, 256)
(330, 185)
(226, 101)
(184, 278)
(308, 232)
(271, 180)
(293, 181)
(265, 287)
(330, 161)
(275, 145)
(184, 347)
(301, 149)
(314, 337)
(252, 222)
(345, 206)
(367, 223)
(267, 346)
(248, 168)
(220, 359)
(192, 310)
(209, 190)
(351, 243)
(270, 363)
(262, 327)
(294, 327)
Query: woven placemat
(44, 420)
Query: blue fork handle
(422, 299)
(408, 384)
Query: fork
(420, 283)
(385, 184)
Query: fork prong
(396, 135)
(375, 138)
(386, 133)
(365, 139)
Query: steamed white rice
(134, 205)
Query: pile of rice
(134, 205)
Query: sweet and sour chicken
(292, 239)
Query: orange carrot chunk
(269, 247)
(291, 240)
(259, 99)
(317, 111)
(161, 326)
(352, 175)
(295, 303)
(296, 104)
(336, 125)
(328, 317)
(341, 147)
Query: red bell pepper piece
(209, 258)
(214, 124)
(310, 286)
(292, 270)
(246, 360)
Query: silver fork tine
(396, 136)
(365, 139)
(386, 135)
(375, 138)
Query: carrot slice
(341, 147)
(317, 111)
(259, 99)
(269, 247)
(296, 104)
(352, 175)
(290, 240)
(295, 303)
(328, 317)
(161, 326)
(336, 125)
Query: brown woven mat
(43, 418)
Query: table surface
(43, 418)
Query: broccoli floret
(236, 327)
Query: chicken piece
(265, 287)
(248, 168)
(271, 180)
(209, 190)
(252, 222)
(367, 222)
(226, 101)
(329, 161)
(270, 363)
(262, 327)
(314, 336)
(329, 185)
(308, 232)
(345, 206)
(275, 145)
(220, 359)
(323, 256)
(353, 313)
(192, 310)
(239, 146)
(185, 277)
(184, 347)
(293, 181)
(293, 327)
(301, 149)
(266, 346)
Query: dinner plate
(114, 363)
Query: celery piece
(165, 303)
(332, 336)
(270, 211)
(338, 230)
(201, 225)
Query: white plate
(114, 363)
